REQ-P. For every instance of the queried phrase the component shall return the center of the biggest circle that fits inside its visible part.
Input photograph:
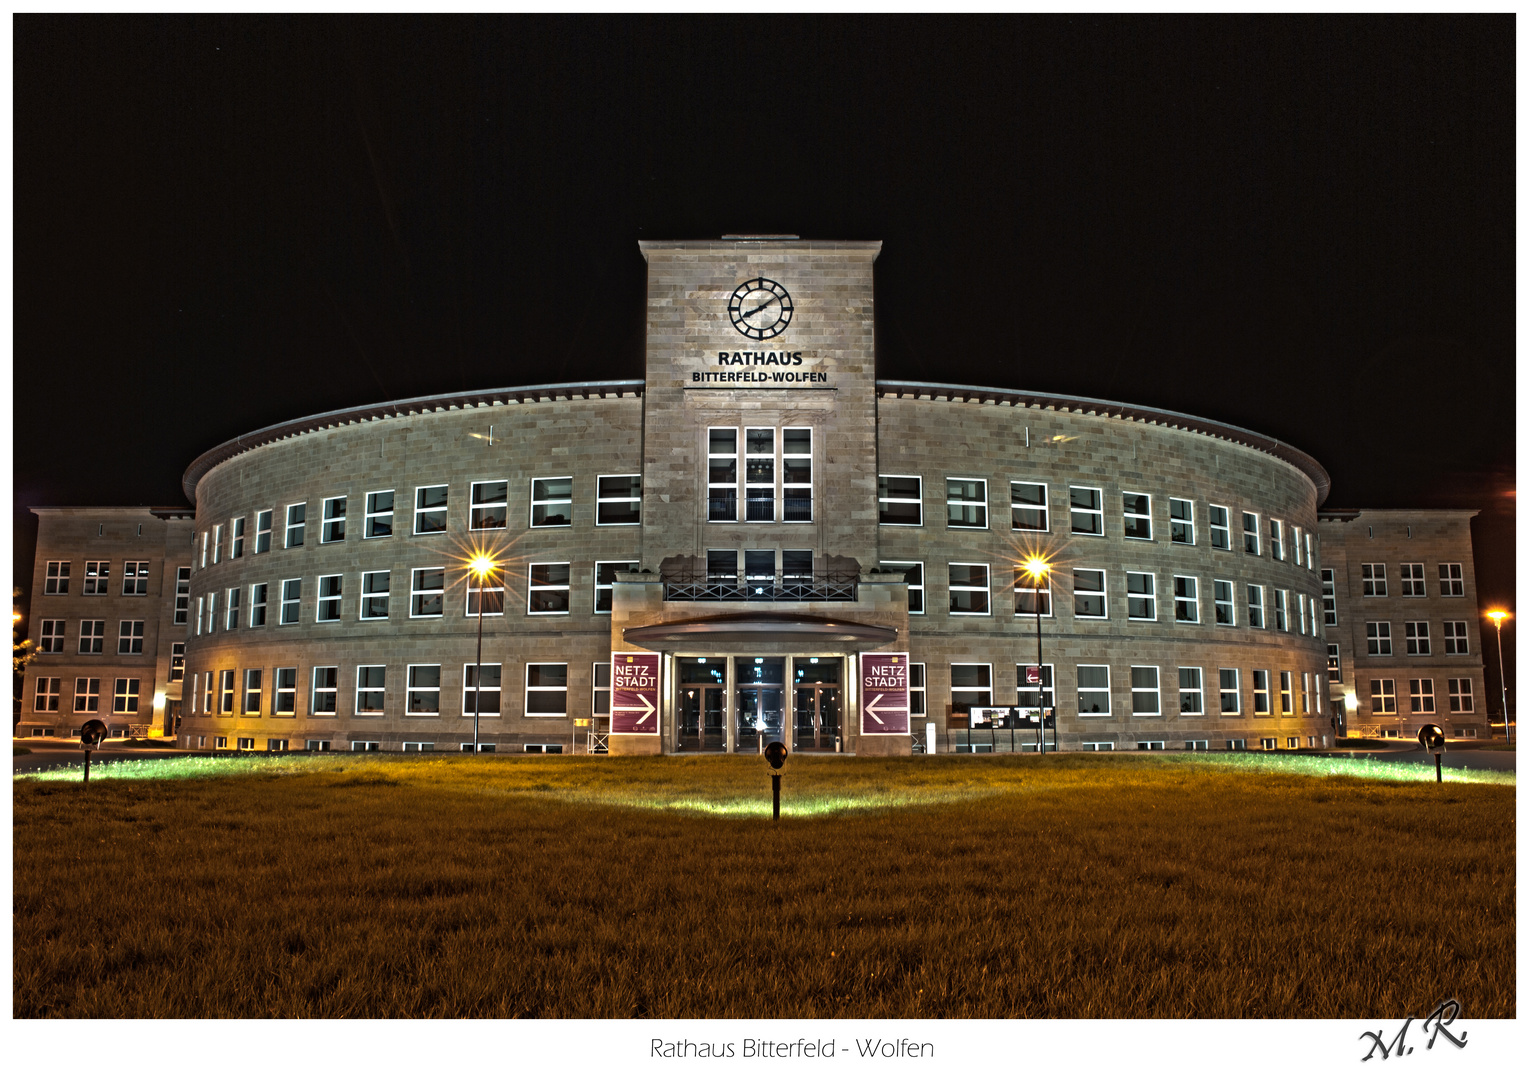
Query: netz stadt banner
(883, 693)
(634, 693)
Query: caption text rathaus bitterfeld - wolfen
(800, 1048)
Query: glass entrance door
(760, 682)
(703, 711)
(818, 703)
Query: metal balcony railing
(703, 587)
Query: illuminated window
(1138, 515)
(547, 591)
(379, 515)
(552, 502)
(1087, 511)
(427, 593)
(901, 499)
(490, 505)
(618, 500)
(97, 576)
(424, 697)
(965, 503)
(1027, 504)
(546, 689)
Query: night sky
(1303, 226)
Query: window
(48, 692)
(605, 583)
(918, 699)
(901, 499)
(1417, 638)
(236, 538)
(430, 509)
(1191, 692)
(1256, 606)
(796, 473)
(231, 621)
(491, 587)
(257, 605)
(1186, 599)
(546, 689)
(252, 690)
(424, 697)
(50, 639)
(284, 701)
(1295, 544)
(329, 598)
(125, 697)
(1420, 695)
(87, 695)
(1032, 697)
(379, 515)
(490, 688)
(226, 692)
(1141, 595)
(262, 532)
(291, 600)
(1287, 693)
(207, 692)
(722, 474)
(371, 688)
(971, 684)
(1300, 608)
(1026, 594)
(297, 516)
(759, 474)
(246, 742)
(1220, 528)
(1093, 689)
(1145, 699)
(1455, 643)
(489, 506)
(1028, 507)
(1412, 579)
(212, 612)
(97, 576)
(1461, 700)
(375, 587)
(56, 581)
(130, 637)
(1451, 579)
(1231, 693)
(427, 593)
(913, 574)
(276, 744)
(547, 591)
(92, 636)
(182, 594)
(1226, 610)
(357, 744)
(1281, 609)
(1138, 515)
(552, 502)
(1307, 679)
(1374, 575)
(600, 704)
(1334, 663)
(618, 500)
(1087, 511)
(1181, 521)
(968, 589)
(204, 550)
(1329, 598)
(1276, 540)
(1261, 697)
(1088, 597)
(722, 566)
(135, 578)
(759, 571)
(965, 503)
(326, 691)
(217, 544)
(1312, 566)
(1383, 697)
(1378, 638)
(334, 521)
(1250, 533)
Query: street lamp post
(482, 567)
(1038, 569)
(1497, 615)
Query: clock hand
(761, 307)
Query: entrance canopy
(751, 628)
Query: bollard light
(1431, 737)
(775, 755)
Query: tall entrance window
(816, 683)
(760, 682)
(703, 703)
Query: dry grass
(1081, 886)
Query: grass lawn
(1081, 885)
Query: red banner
(883, 693)
(634, 693)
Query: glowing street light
(1497, 615)
(1038, 569)
(482, 567)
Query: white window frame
(1307, 681)
(918, 690)
(1310, 565)
(1287, 693)
(1329, 597)
(1155, 691)
(410, 687)
(1462, 696)
(1251, 535)
(1045, 695)
(340, 503)
(1021, 588)
(1377, 638)
(231, 609)
(474, 594)
(792, 489)
(87, 694)
(1373, 576)
(125, 697)
(884, 500)
(978, 689)
(236, 538)
(94, 632)
(1102, 593)
(1413, 582)
(1192, 598)
(217, 548)
(259, 600)
(425, 514)
(1109, 704)
(284, 691)
(905, 566)
(602, 500)
(533, 589)
(600, 683)
(716, 490)
(951, 501)
(1224, 530)
(135, 577)
(368, 688)
(133, 636)
(212, 612)
(1334, 661)
(1197, 690)
(625, 566)
(547, 501)
(1256, 620)
(1226, 607)
(1452, 579)
(419, 597)
(1300, 607)
(263, 523)
(1418, 641)
(754, 489)
(1383, 691)
(1276, 539)
(1136, 519)
(1094, 510)
(56, 574)
(227, 689)
(377, 520)
(546, 688)
(49, 691)
(1043, 507)
(98, 577)
(254, 689)
(1186, 525)
(476, 503)
(986, 591)
(1266, 691)
(299, 528)
(50, 639)
(1282, 609)
(369, 592)
(338, 597)
(296, 602)
(1235, 690)
(1150, 596)
(1420, 697)
(468, 678)
(1457, 640)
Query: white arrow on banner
(870, 710)
(646, 708)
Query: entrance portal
(703, 705)
(816, 683)
(761, 686)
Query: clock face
(760, 308)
